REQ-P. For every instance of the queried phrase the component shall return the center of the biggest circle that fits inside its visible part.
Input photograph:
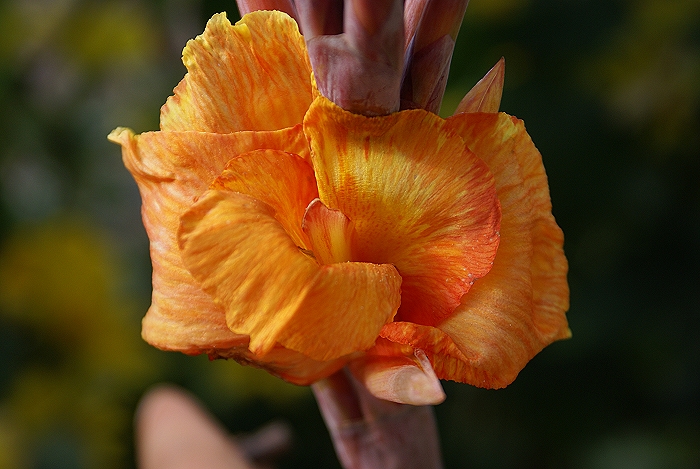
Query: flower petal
(274, 292)
(345, 308)
(447, 359)
(171, 170)
(518, 308)
(417, 198)
(252, 76)
(242, 256)
(331, 233)
(283, 181)
(521, 182)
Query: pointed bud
(486, 95)
(319, 17)
(429, 43)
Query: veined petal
(171, 170)
(274, 292)
(505, 144)
(331, 233)
(518, 308)
(448, 360)
(242, 256)
(283, 181)
(417, 198)
(345, 308)
(255, 75)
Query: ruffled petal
(255, 75)
(449, 360)
(242, 256)
(518, 308)
(283, 181)
(272, 291)
(417, 198)
(504, 144)
(171, 170)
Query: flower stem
(370, 433)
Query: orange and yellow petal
(518, 308)
(273, 291)
(344, 309)
(282, 180)
(503, 143)
(254, 75)
(448, 360)
(330, 233)
(417, 198)
(172, 169)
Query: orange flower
(295, 236)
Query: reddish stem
(370, 433)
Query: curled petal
(251, 76)
(345, 308)
(485, 96)
(291, 366)
(448, 360)
(242, 256)
(272, 291)
(331, 233)
(283, 181)
(417, 199)
(171, 170)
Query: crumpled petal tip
(120, 135)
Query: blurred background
(609, 91)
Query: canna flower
(293, 235)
